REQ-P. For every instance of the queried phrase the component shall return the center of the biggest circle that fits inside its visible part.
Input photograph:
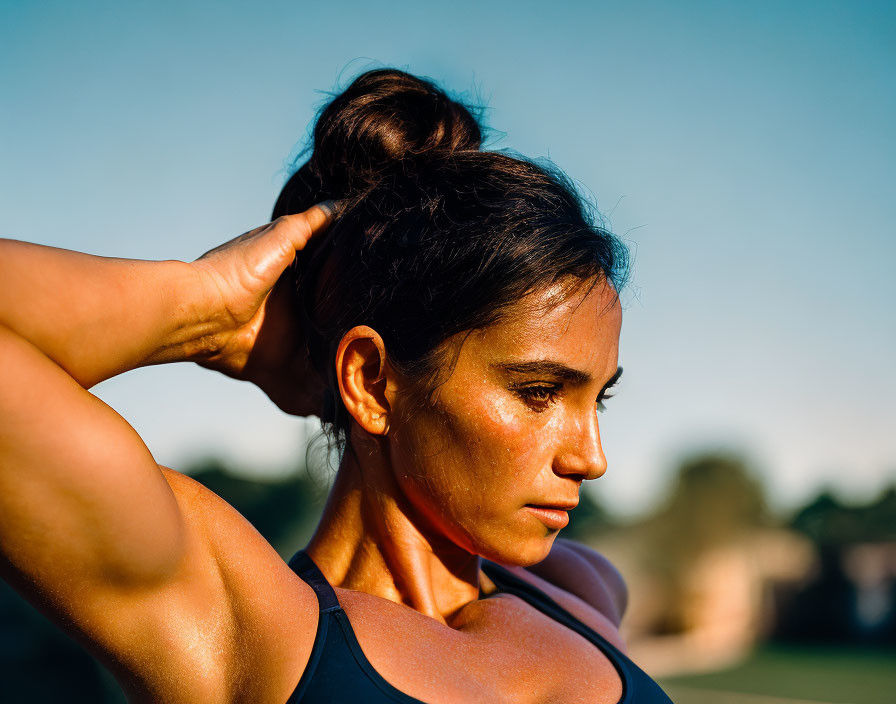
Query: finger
(322, 214)
(329, 207)
(302, 226)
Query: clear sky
(746, 151)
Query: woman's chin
(520, 553)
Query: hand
(261, 340)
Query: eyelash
(543, 396)
(540, 396)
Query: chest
(498, 649)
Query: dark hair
(433, 236)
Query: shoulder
(261, 607)
(244, 560)
(584, 572)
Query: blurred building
(711, 575)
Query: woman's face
(515, 426)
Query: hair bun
(383, 119)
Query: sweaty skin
(429, 489)
(184, 601)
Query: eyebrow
(549, 367)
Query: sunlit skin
(184, 601)
(431, 489)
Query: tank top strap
(508, 582)
(637, 686)
(302, 564)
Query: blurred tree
(826, 521)
(880, 516)
(823, 609)
(829, 606)
(829, 522)
(716, 499)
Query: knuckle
(295, 225)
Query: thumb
(301, 227)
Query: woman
(454, 320)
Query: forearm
(97, 316)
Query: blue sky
(746, 152)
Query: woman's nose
(580, 454)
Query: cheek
(507, 439)
(475, 455)
(469, 467)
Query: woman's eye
(539, 397)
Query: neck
(370, 539)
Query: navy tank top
(339, 673)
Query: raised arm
(88, 521)
(97, 317)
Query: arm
(92, 530)
(71, 469)
(586, 573)
(96, 317)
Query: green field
(794, 675)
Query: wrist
(197, 325)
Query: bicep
(93, 534)
(164, 581)
(82, 502)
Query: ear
(363, 377)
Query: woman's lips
(553, 518)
